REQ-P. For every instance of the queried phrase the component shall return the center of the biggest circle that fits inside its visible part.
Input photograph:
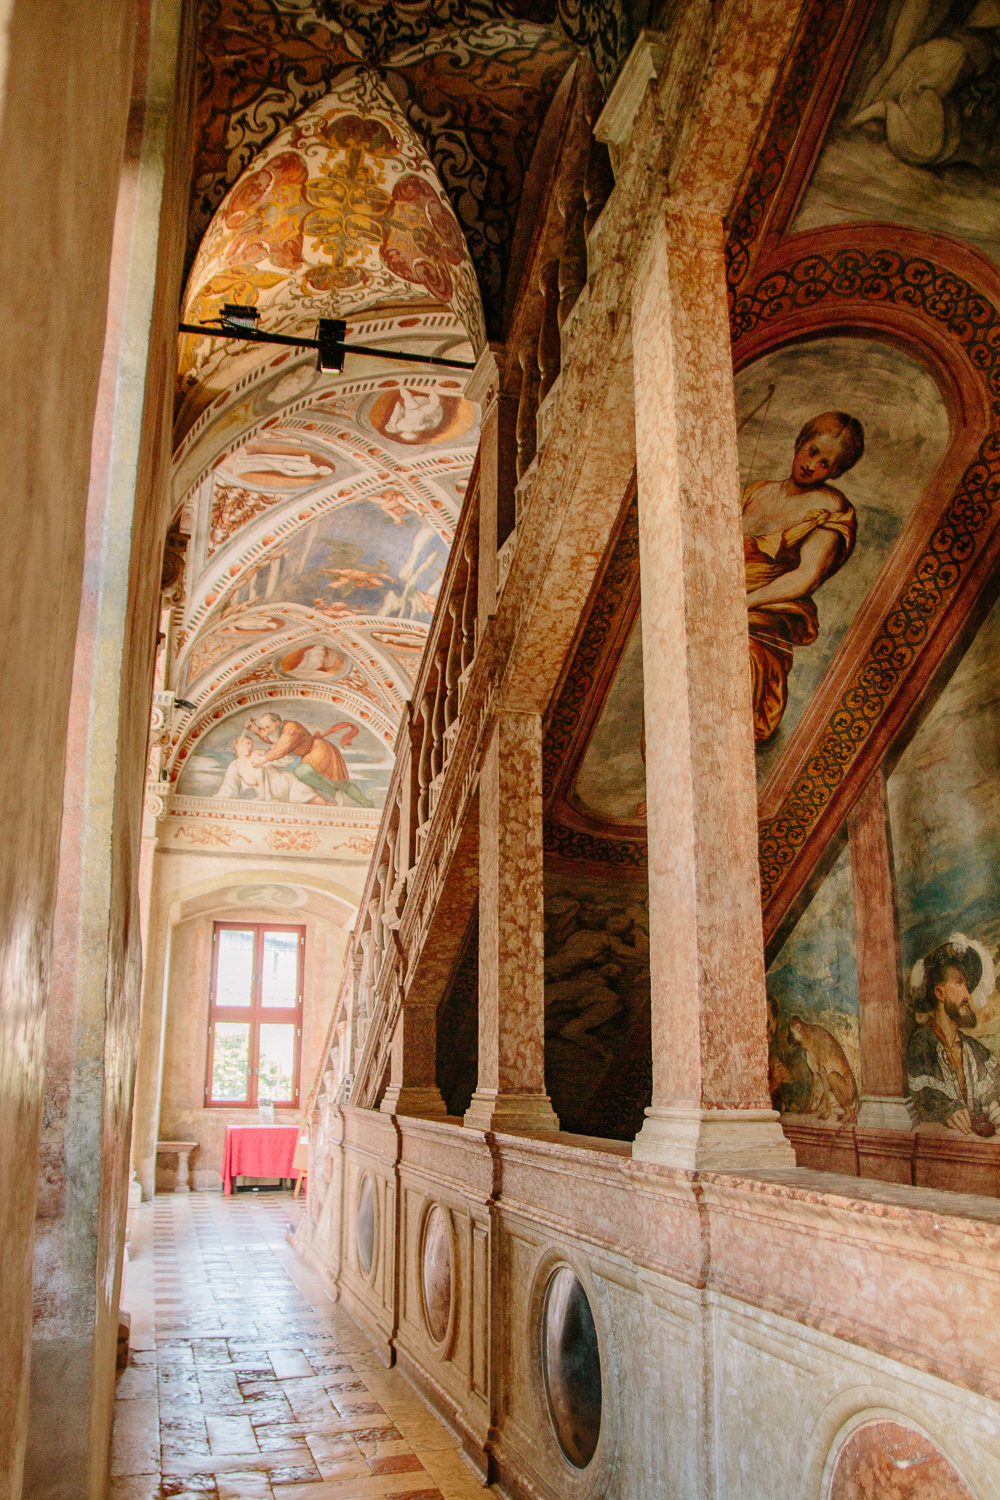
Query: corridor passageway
(245, 1382)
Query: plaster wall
(189, 893)
(90, 1052)
(62, 131)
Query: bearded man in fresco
(321, 767)
(953, 1080)
(797, 532)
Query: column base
(527, 1112)
(884, 1112)
(713, 1140)
(401, 1099)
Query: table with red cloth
(258, 1151)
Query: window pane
(275, 1071)
(281, 969)
(230, 1060)
(235, 978)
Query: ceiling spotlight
(183, 703)
(241, 317)
(331, 335)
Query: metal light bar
(238, 323)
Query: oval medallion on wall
(571, 1364)
(437, 1273)
(365, 1224)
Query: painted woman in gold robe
(797, 532)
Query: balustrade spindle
(425, 773)
(453, 662)
(549, 344)
(469, 606)
(437, 721)
(527, 406)
(597, 183)
(573, 259)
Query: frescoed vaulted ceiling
(474, 79)
(362, 161)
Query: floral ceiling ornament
(341, 213)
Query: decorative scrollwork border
(818, 30)
(867, 277)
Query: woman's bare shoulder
(835, 499)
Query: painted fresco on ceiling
(838, 439)
(363, 559)
(317, 661)
(611, 781)
(416, 419)
(237, 628)
(944, 805)
(289, 752)
(915, 137)
(341, 212)
(404, 646)
(261, 474)
(814, 1046)
(476, 94)
(598, 1058)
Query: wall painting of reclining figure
(915, 136)
(838, 439)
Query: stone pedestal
(182, 1150)
(711, 1107)
(511, 1088)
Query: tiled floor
(245, 1382)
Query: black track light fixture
(238, 322)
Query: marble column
(510, 1094)
(710, 1107)
(497, 474)
(413, 1086)
(880, 980)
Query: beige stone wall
(189, 892)
(93, 1003)
(62, 130)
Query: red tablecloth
(258, 1151)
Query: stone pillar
(497, 474)
(510, 1094)
(880, 982)
(413, 1086)
(710, 1106)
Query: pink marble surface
(706, 959)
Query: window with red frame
(255, 1019)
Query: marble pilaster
(876, 928)
(511, 1089)
(710, 1106)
